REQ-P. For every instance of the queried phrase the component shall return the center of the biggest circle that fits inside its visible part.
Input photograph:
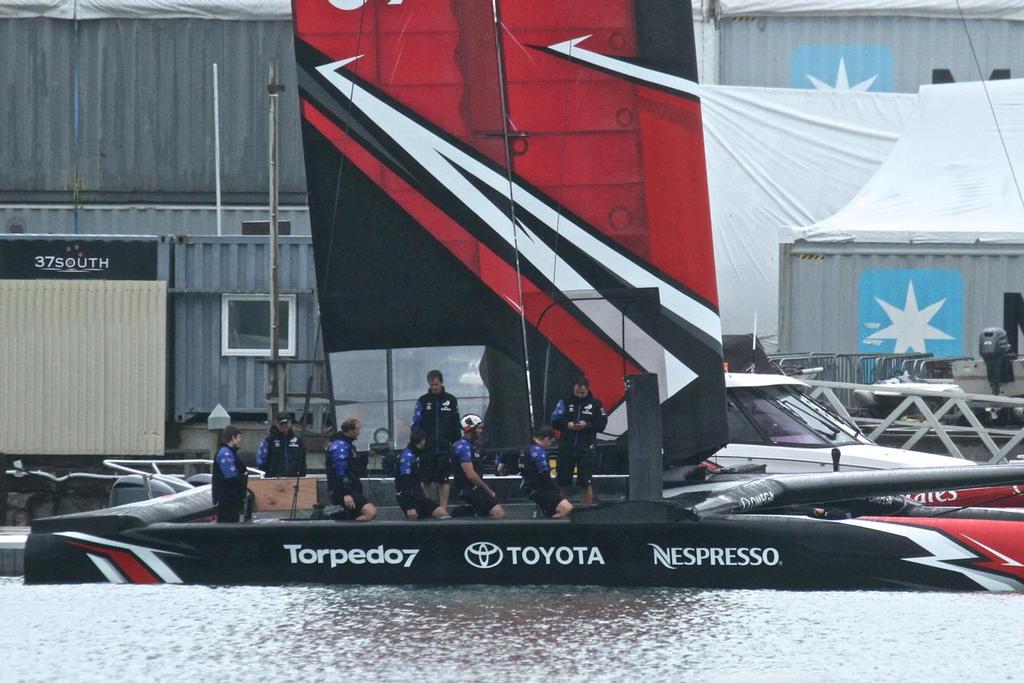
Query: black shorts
(435, 469)
(584, 466)
(360, 501)
(424, 506)
(481, 501)
(547, 499)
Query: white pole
(216, 144)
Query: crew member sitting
(408, 491)
(469, 485)
(537, 473)
(342, 483)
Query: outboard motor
(994, 348)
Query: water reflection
(96, 632)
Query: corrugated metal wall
(820, 286)
(204, 268)
(145, 110)
(83, 367)
(133, 219)
(900, 52)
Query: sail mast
(512, 206)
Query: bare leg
(367, 514)
(442, 495)
(441, 513)
(497, 512)
(588, 495)
(563, 509)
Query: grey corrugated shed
(818, 291)
(758, 51)
(204, 268)
(136, 219)
(145, 111)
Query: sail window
(245, 324)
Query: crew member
(408, 491)
(437, 414)
(342, 483)
(282, 452)
(578, 418)
(469, 485)
(229, 476)
(537, 475)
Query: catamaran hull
(740, 551)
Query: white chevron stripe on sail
(570, 48)
(444, 161)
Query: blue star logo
(911, 311)
(842, 68)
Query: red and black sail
(470, 163)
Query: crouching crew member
(579, 417)
(282, 453)
(537, 473)
(229, 476)
(342, 482)
(466, 460)
(411, 499)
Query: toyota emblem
(483, 555)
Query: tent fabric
(148, 9)
(954, 177)
(783, 157)
(937, 9)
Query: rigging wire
(512, 207)
(988, 97)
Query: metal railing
(944, 404)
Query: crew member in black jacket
(282, 453)
(578, 418)
(229, 476)
(437, 414)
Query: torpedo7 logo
(356, 4)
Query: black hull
(740, 551)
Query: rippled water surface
(480, 633)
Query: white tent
(783, 157)
(955, 176)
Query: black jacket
(574, 409)
(438, 416)
(282, 455)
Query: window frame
(291, 300)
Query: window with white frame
(245, 324)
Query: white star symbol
(842, 81)
(910, 326)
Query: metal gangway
(921, 412)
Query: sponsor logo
(715, 557)
(339, 556)
(842, 68)
(935, 497)
(905, 310)
(487, 555)
(349, 5)
(751, 502)
(74, 261)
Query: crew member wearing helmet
(579, 417)
(437, 414)
(537, 475)
(469, 485)
(408, 491)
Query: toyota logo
(483, 555)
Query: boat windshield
(789, 418)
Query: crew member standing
(437, 414)
(229, 476)
(578, 418)
(537, 474)
(343, 483)
(408, 490)
(469, 485)
(282, 452)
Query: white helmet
(470, 422)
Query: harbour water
(486, 633)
